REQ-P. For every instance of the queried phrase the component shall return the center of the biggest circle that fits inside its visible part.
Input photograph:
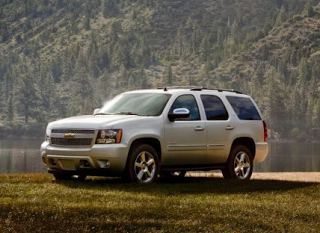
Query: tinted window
(214, 108)
(244, 108)
(188, 102)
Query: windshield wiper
(125, 113)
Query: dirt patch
(287, 176)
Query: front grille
(71, 142)
(80, 131)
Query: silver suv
(142, 134)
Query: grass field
(35, 203)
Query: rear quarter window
(244, 108)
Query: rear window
(244, 108)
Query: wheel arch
(246, 141)
(154, 142)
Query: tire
(61, 176)
(174, 174)
(225, 173)
(240, 164)
(143, 164)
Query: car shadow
(189, 185)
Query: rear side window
(244, 108)
(214, 108)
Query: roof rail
(179, 87)
(221, 90)
(198, 88)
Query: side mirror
(96, 111)
(179, 113)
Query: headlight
(109, 136)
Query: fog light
(84, 164)
(104, 163)
(52, 162)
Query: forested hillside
(66, 57)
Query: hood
(91, 121)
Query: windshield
(141, 104)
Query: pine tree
(274, 106)
(143, 79)
(27, 96)
(103, 86)
(4, 34)
(9, 109)
(169, 75)
(316, 114)
(110, 8)
(180, 42)
(309, 9)
(196, 38)
(86, 22)
(304, 72)
(205, 48)
(82, 88)
(282, 16)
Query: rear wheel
(240, 164)
(143, 164)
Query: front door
(186, 139)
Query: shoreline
(310, 177)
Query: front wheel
(240, 164)
(143, 164)
(61, 176)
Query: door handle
(229, 127)
(198, 128)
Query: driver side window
(190, 103)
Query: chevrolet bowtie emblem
(68, 135)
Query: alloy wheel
(145, 167)
(242, 165)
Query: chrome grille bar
(76, 131)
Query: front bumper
(109, 159)
(262, 151)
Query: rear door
(220, 126)
(185, 138)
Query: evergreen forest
(60, 58)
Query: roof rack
(178, 87)
(198, 88)
(221, 90)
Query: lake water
(23, 156)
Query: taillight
(265, 131)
